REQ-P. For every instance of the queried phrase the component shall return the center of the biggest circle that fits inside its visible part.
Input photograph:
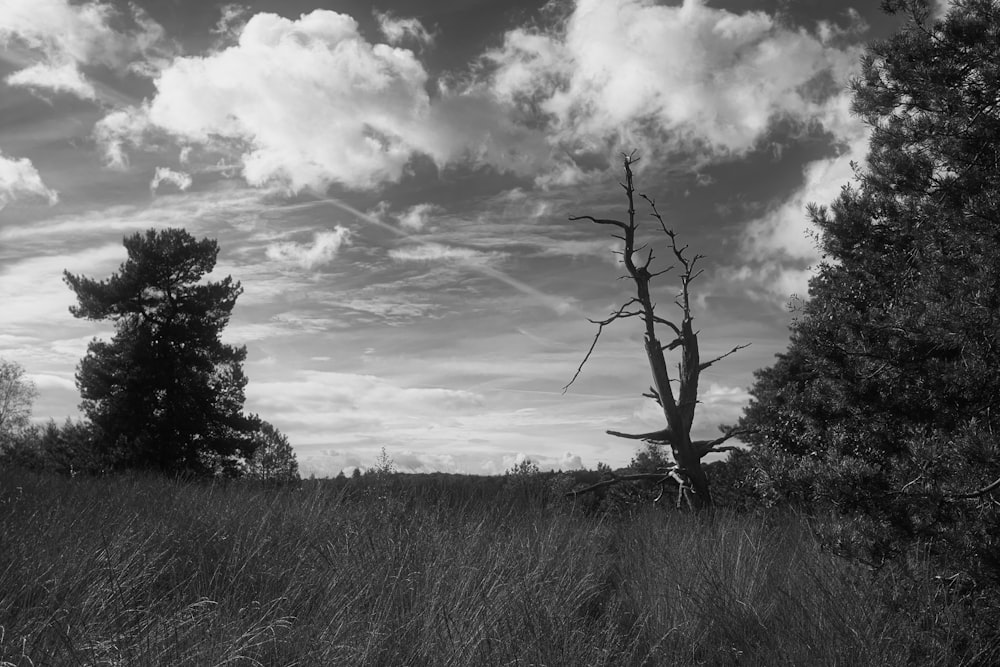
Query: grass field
(145, 571)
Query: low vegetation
(435, 570)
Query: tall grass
(144, 571)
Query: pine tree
(166, 393)
(886, 403)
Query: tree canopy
(165, 391)
(17, 393)
(886, 402)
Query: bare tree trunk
(678, 412)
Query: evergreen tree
(886, 403)
(165, 392)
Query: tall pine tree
(887, 404)
(166, 393)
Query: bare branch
(709, 446)
(974, 494)
(722, 356)
(659, 320)
(658, 477)
(665, 435)
(599, 221)
(621, 313)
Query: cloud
(416, 217)
(683, 78)
(438, 252)
(232, 18)
(322, 250)
(304, 103)
(63, 36)
(181, 180)
(117, 131)
(398, 30)
(310, 102)
(780, 246)
(19, 178)
(65, 78)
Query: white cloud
(437, 252)
(780, 244)
(398, 30)
(416, 217)
(117, 131)
(64, 35)
(688, 77)
(308, 102)
(181, 180)
(65, 78)
(310, 256)
(231, 20)
(19, 178)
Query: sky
(391, 184)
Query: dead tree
(679, 408)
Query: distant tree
(384, 465)
(165, 392)
(886, 405)
(73, 448)
(678, 409)
(650, 458)
(273, 459)
(17, 394)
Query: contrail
(560, 305)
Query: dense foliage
(17, 392)
(165, 392)
(885, 405)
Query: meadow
(136, 570)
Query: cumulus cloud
(320, 252)
(19, 178)
(779, 246)
(64, 36)
(398, 30)
(181, 180)
(688, 77)
(310, 102)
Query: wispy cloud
(399, 30)
(64, 78)
(179, 179)
(320, 252)
(64, 36)
(438, 252)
